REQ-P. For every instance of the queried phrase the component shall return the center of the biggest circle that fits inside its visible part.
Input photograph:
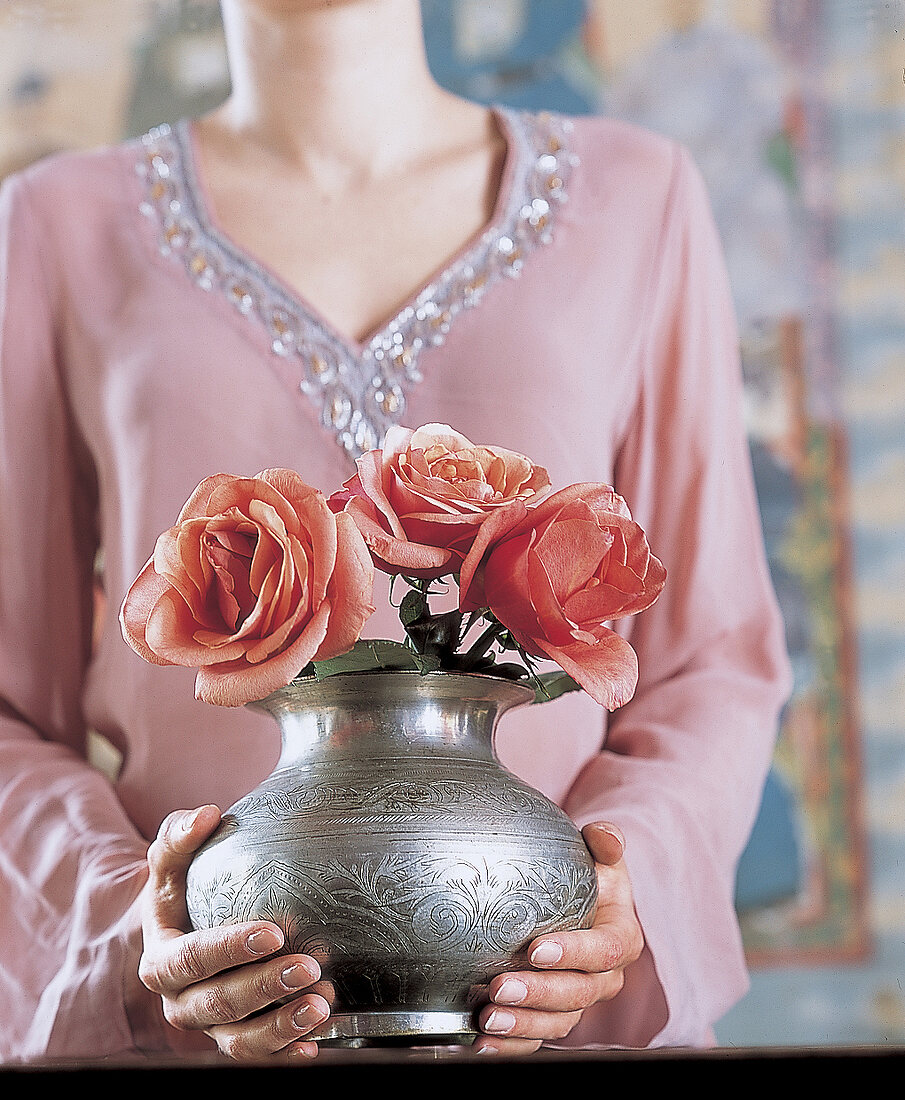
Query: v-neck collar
(360, 388)
(205, 210)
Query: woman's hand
(228, 982)
(574, 970)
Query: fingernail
(306, 1016)
(305, 1051)
(264, 941)
(511, 992)
(297, 976)
(615, 834)
(546, 954)
(499, 1022)
(610, 830)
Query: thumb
(180, 836)
(605, 842)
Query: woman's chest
(545, 364)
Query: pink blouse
(141, 349)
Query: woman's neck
(339, 87)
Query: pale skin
(339, 161)
(341, 164)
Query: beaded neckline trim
(360, 393)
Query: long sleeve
(684, 762)
(123, 381)
(71, 864)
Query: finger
(558, 991)
(499, 1044)
(173, 961)
(608, 945)
(296, 1053)
(605, 842)
(272, 1032)
(179, 837)
(241, 993)
(513, 1023)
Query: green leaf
(372, 655)
(550, 685)
(413, 607)
(426, 662)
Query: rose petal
(370, 485)
(494, 529)
(141, 599)
(279, 579)
(597, 497)
(394, 555)
(320, 545)
(434, 435)
(178, 558)
(543, 615)
(411, 558)
(607, 670)
(350, 592)
(236, 684)
(198, 502)
(241, 492)
(429, 496)
(172, 633)
(396, 442)
(572, 552)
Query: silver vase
(390, 844)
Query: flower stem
(477, 650)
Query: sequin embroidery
(360, 395)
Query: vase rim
(522, 693)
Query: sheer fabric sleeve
(71, 864)
(683, 765)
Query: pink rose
(556, 573)
(257, 578)
(420, 501)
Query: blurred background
(795, 112)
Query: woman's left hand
(574, 970)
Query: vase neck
(391, 713)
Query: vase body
(391, 845)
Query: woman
(326, 254)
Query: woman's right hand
(227, 982)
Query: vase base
(400, 1028)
